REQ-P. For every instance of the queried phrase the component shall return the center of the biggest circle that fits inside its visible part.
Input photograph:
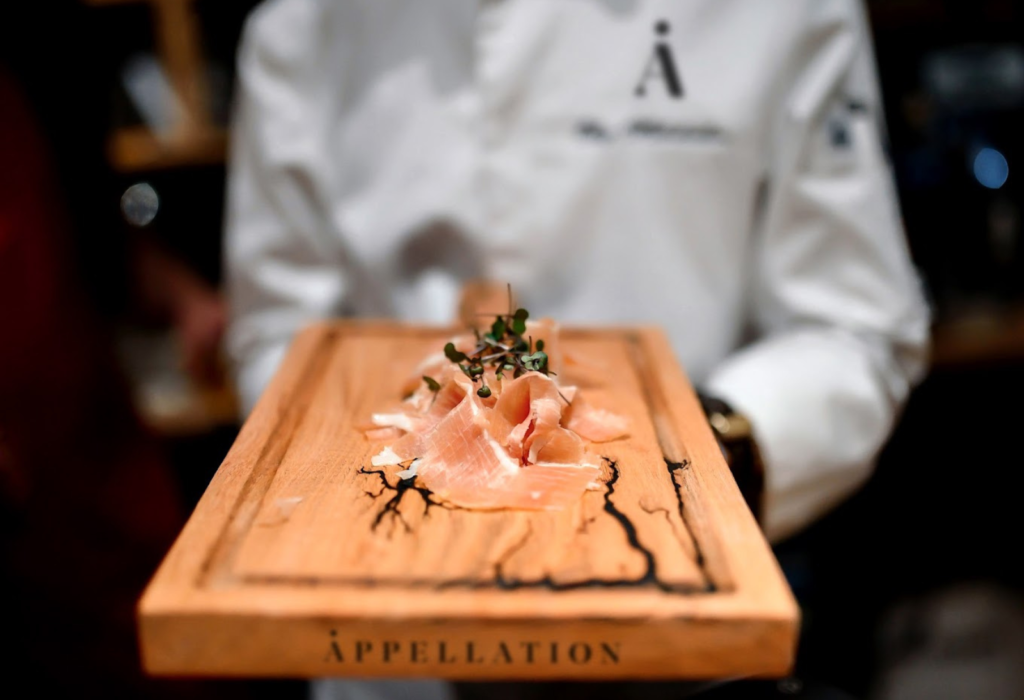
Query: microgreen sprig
(503, 348)
(434, 387)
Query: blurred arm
(171, 290)
(283, 269)
(842, 324)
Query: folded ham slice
(524, 446)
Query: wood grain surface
(302, 560)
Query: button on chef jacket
(713, 166)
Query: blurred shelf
(196, 411)
(138, 149)
(990, 336)
(166, 399)
(108, 3)
(193, 139)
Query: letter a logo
(661, 65)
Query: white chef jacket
(713, 166)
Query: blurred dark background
(910, 590)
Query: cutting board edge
(303, 647)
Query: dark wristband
(736, 436)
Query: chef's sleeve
(838, 312)
(282, 268)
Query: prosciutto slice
(524, 446)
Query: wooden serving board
(302, 560)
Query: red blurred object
(89, 504)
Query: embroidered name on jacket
(649, 128)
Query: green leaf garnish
(504, 348)
(498, 328)
(432, 384)
(483, 392)
(454, 355)
(519, 321)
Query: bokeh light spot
(140, 204)
(991, 168)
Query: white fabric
(385, 151)
(382, 689)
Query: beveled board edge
(527, 649)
